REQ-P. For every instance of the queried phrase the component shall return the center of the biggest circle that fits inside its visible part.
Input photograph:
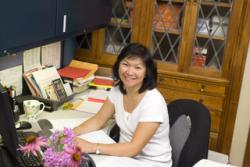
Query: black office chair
(189, 131)
(114, 132)
(88, 161)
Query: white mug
(32, 108)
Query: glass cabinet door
(119, 32)
(84, 41)
(167, 29)
(211, 33)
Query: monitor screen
(7, 127)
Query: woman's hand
(84, 145)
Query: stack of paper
(73, 72)
(102, 82)
(93, 101)
(78, 74)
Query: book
(102, 82)
(59, 89)
(73, 72)
(50, 92)
(30, 82)
(84, 65)
(43, 78)
(78, 81)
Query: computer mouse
(22, 125)
(45, 124)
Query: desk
(71, 119)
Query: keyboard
(25, 160)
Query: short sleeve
(154, 109)
(113, 94)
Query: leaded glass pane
(118, 33)
(167, 28)
(84, 41)
(211, 33)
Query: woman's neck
(132, 92)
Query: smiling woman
(139, 109)
(138, 57)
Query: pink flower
(33, 145)
(76, 156)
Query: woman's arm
(98, 120)
(142, 135)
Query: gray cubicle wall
(11, 60)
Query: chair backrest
(195, 137)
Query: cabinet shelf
(172, 1)
(216, 37)
(117, 22)
(219, 4)
(170, 31)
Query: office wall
(242, 122)
(10, 61)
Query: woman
(139, 110)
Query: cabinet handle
(64, 22)
(202, 88)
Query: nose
(129, 71)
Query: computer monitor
(7, 129)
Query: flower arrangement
(60, 151)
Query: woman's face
(132, 72)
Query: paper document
(121, 162)
(13, 77)
(31, 59)
(98, 136)
(98, 95)
(51, 54)
(59, 124)
(89, 106)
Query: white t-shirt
(152, 108)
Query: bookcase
(197, 46)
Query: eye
(138, 67)
(124, 63)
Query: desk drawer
(212, 102)
(213, 141)
(196, 86)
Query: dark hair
(140, 51)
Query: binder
(84, 65)
(73, 72)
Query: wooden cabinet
(195, 45)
